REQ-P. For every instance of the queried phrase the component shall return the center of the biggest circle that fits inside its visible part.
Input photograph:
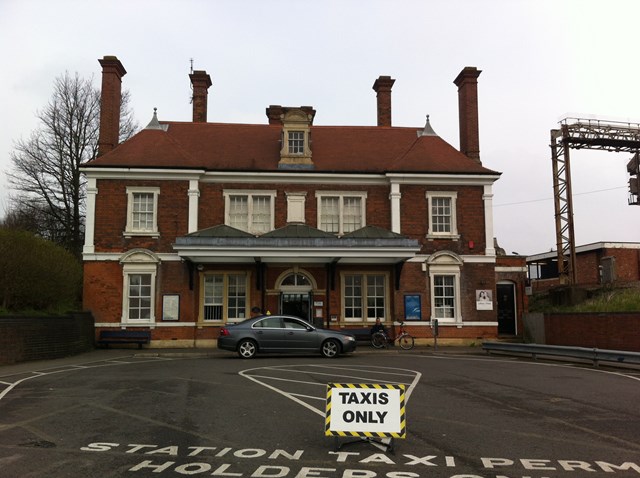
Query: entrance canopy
(295, 243)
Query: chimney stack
(467, 83)
(382, 87)
(274, 113)
(111, 95)
(200, 82)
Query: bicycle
(404, 339)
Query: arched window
(297, 280)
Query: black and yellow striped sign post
(369, 411)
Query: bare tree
(46, 167)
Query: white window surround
(453, 233)
(341, 195)
(138, 261)
(130, 229)
(446, 263)
(249, 194)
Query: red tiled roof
(250, 147)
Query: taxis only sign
(365, 410)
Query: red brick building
(599, 263)
(192, 224)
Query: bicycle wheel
(378, 340)
(406, 342)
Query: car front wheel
(247, 349)
(330, 348)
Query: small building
(190, 225)
(599, 263)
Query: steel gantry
(575, 133)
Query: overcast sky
(541, 61)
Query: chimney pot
(382, 87)
(110, 99)
(467, 83)
(200, 81)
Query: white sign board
(370, 410)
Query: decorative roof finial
(154, 123)
(428, 130)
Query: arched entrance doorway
(296, 295)
(506, 292)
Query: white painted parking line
(268, 377)
(309, 397)
(69, 368)
(633, 374)
(333, 373)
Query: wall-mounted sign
(170, 307)
(412, 310)
(484, 300)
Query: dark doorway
(506, 309)
(298, 305)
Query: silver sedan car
(283, 334)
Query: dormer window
(296, 142)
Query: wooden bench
(139, 337)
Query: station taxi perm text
(512, 465)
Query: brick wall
(42, 338)
(588, 263)
(614, 331)
(111, 220)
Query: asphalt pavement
(100, 354)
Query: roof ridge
(315, 126)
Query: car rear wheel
(330, 348)
(247, 349)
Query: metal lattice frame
(577, 133)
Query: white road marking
(573, 365)
(357, 378)
(323, 385)
(300, 369)
(68, 368)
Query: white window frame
(341, 195)
(450, 271)
(296, 140)
(130, 230)
(225, 297)
(138, 269)
(364, 296)
(453, 197)
(250, 194)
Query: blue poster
(412, 310)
